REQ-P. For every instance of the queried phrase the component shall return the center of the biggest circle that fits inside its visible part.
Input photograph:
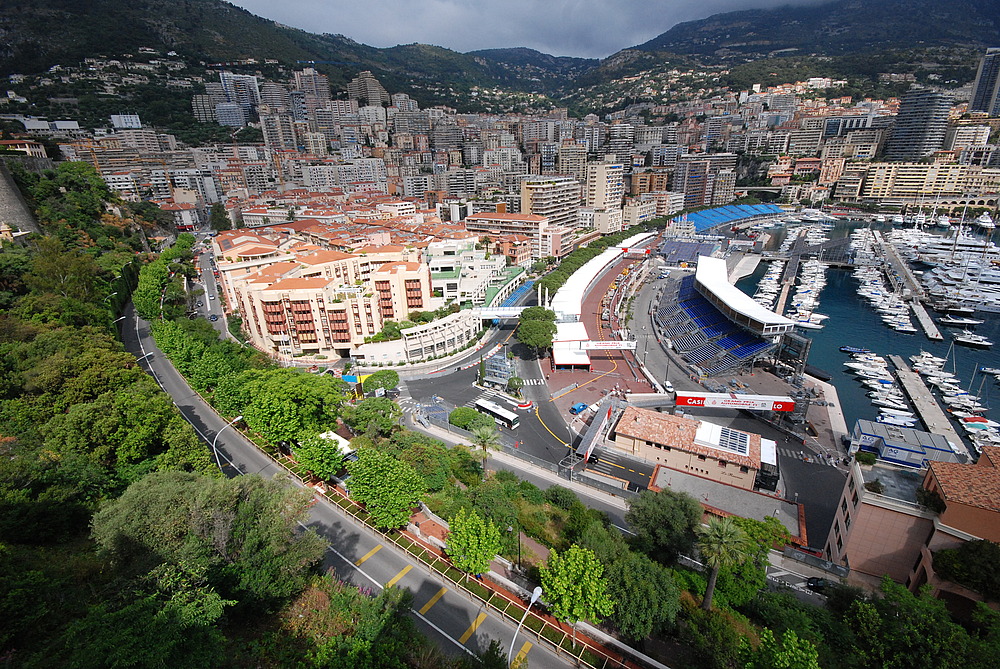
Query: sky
(581, 28)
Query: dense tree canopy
(242, 532)
(388, 487)
(664, 523)
(574, 586)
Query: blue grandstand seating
(710, 218)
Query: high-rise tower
(920, 126)
(986, 92)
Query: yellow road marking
(539, 417)
(433, 600)
(401, 574)
(521, 653)
(368, 555)
(472, 628)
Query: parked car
(820, 585)
(578, 408)
(213, 317)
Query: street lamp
(511, 529)
(110, 296)
(214, 441)
(535, 594)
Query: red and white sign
(732, 401)
(634, 252)
(607, 345)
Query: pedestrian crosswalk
(808, 456)
(534, 382)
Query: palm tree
(485, 437)
(722, 544)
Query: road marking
(521, 653)
(433, 600)
(368, 555)
(401, 574)
(472, 628)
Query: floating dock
(927, 408)
(930, 329)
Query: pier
(923, 402)
(930, 329)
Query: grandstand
(728, 215)
(682, 253)
(716, 341)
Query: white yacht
(967, 338)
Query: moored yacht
(967, 338)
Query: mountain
(36, 34)
(832, 28)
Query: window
(854, 499)
(847, 523)
(850, 482)
(840, 543)
(722, 464)
(702, 457)
(843, 505)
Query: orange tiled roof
(679, 432)
(393, 267)
(312, 283)
(974, 485)
(321, 257)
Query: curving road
(356, 553)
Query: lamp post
(535, 594)
(511, 529)
(215, 451)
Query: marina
(861, 323)
(927, 408)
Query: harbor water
(853, 322)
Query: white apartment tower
(555, 198)
(605, 185)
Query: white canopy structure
(568, 300)
(712, 281)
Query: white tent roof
(575, 331)
(712, 274)
(568, 300)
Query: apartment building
(552, 197)
(546, 239)
(890, 521)
(605, 185)
(319, 302)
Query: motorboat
(895, 420)
(959, 321)
(898, 412)
(967, 338)
(985, 221)
(889, 404)
(927, 357)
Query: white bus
(503, 417)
